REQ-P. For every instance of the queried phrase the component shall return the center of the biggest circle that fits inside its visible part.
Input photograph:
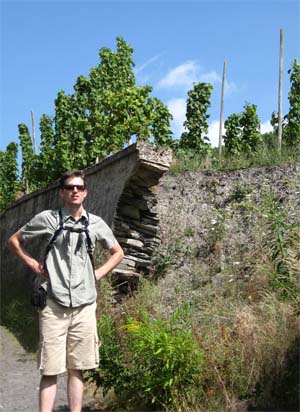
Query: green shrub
(148, 361)
(165, 356)
(112, 372)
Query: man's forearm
(15, 243)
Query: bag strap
(55, 234)
(89, 241)
(61, 228)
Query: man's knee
(48, 380)
(75, 373)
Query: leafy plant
(27, 158)
(282, 244)
(112, 371)
(165, 356)
(233, 136)
(243, 131)
(9, 184)
(170, 254)
(45, 160)
(148, 361)
(292, 127)
(250, 123)
(196, 119)
(241, 191)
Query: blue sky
(46, 45)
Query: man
(68, 330)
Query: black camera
(39, 297)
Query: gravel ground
(19, 379)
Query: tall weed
(282, 246)
(244, 348)
(146, 361)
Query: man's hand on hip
(39, 269)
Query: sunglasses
(80, 188)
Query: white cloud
(230, 87)
(210, 77)
(177, 108)
(191, 72)
(183, 75)
(213, 133)
(266, 127)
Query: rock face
(212, 222)
(199, 200)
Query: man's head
(72, 173)
(73, 188)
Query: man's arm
(15, 243)
(116, 255)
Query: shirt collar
(66, 215)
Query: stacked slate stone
(137, 227)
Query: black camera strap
(61, 227)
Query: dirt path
(19, 379)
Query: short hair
(72, 173)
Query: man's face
(73, 193)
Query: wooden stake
(33, 132)
(280, 92)
(222, 112)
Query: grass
(264, 157)
(19, 316)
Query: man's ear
(61, 192)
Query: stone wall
(120, 191)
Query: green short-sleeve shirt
(72, 281)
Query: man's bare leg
(47, 393)
(75, 390)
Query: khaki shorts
(68, 338)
